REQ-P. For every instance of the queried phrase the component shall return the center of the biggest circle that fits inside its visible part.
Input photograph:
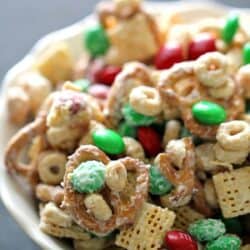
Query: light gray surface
(22, 23)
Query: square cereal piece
(185, 216)
(149, 229)
(56, 63)
(233, 191)
(132, 40)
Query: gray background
(22, 23)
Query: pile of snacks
(144, 144)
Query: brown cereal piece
(51, 214)
(179, 86)
(17, 145)
(233, 191)
(125, 204)
(148, 230)
(47, 193)
(183, 178)
(134, 74)
(185, 216)
(132, 40)
(55, 63)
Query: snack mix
(143, 143)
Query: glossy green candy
(96, 40)
(208, 113)
(108, 141)
(233, 226)
(88, 177)
(134, 118)
(225, 242)
(207, 229)
(83, 84)
(158, 184)
(127, 130)
(246, 53)
(230, 28)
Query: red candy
(200, 45)
(99, 91)
(108, 74)
(168, 55)
(178, 240)
(150, 140)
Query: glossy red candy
(178, 240)
(99, 91)
(107, 74)
(168, 55)
(101, 73)
(150, 140)
(200, 45)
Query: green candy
(207, 229)
(208, 113)
(83, 84)
(109, 141)
(136, 119)
(127, 130)
(96, 41)
(233, 226)
(246, 53)
(225, 242)
(158, 184)
(88, 177)
(230, 28)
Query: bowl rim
(63, 34)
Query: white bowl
(14, 195)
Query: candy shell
(158, 184)
(208, 113)
(207, 229)
(88, 177)
(178, 240)
(225, 242)
(109, 141)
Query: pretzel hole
(54, 169)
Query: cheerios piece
(234, 135)
(225, 91)
(98, 207)
(236, 157)
(116, 176)
(243, 77)
(51, 167)
(211, 69)
(172, 131)
(133, 148)
(210, 194)
(146, 100)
